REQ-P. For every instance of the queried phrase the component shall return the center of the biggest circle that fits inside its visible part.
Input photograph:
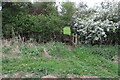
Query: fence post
(74, 39)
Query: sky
(90, 3)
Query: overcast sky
(90, 3)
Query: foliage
(51, 26)
(10, 10)
(43, 22)
(67, 11)
(46, 8)
(97, 25)
(45, 25)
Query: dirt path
(27, 75)
(18, 75)
(71, 76)
(49, 76)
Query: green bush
(21, 21)
(35, 26)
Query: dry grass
(46, 54)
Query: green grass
(82, 60)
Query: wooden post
(74, 39)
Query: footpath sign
(66, 30)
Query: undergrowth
(82, 60)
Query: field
(32, 60)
